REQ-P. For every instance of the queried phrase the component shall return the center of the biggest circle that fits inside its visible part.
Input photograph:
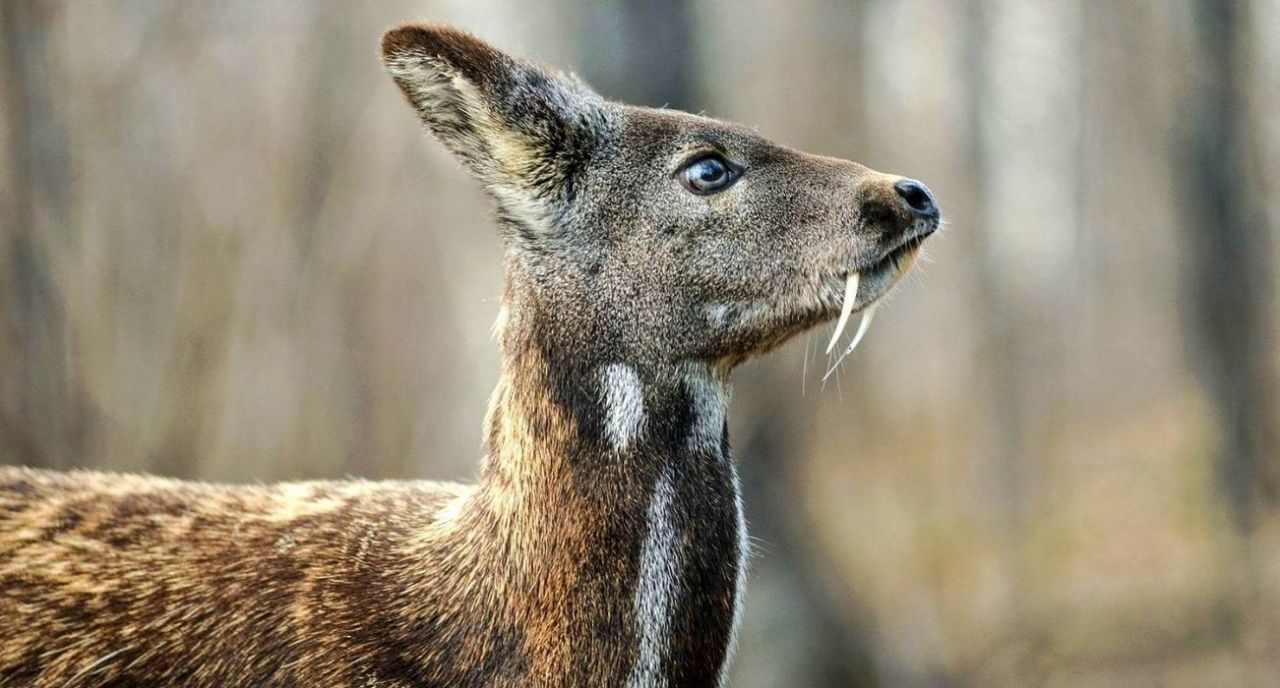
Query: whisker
(804, 366)
(839, 387)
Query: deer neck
(611, 488)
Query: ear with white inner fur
(519, 126)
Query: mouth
(885, 272)
(863, 289)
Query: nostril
(917, 197)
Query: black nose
(917, 198)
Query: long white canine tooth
(863, 326)
(850, 296)
(867, 316)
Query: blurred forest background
(227, 251)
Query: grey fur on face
(621, 260)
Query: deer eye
(709, 174)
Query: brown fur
(534, 577)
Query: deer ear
(512, 122)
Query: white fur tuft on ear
(456, 111)
(523, 129)
(433, 87)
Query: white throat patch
(740, 588)
(658, 588)
(623, 404)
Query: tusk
(850, 296)
(867, 316)
(863, 326)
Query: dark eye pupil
(710, 170)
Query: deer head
(654, 236)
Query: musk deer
(647, 253)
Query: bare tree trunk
(640, 51)
(42, 422)
(1004, 411)
(1228, 265)
(818, 640)
(1227, 261)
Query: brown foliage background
(228, 252)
